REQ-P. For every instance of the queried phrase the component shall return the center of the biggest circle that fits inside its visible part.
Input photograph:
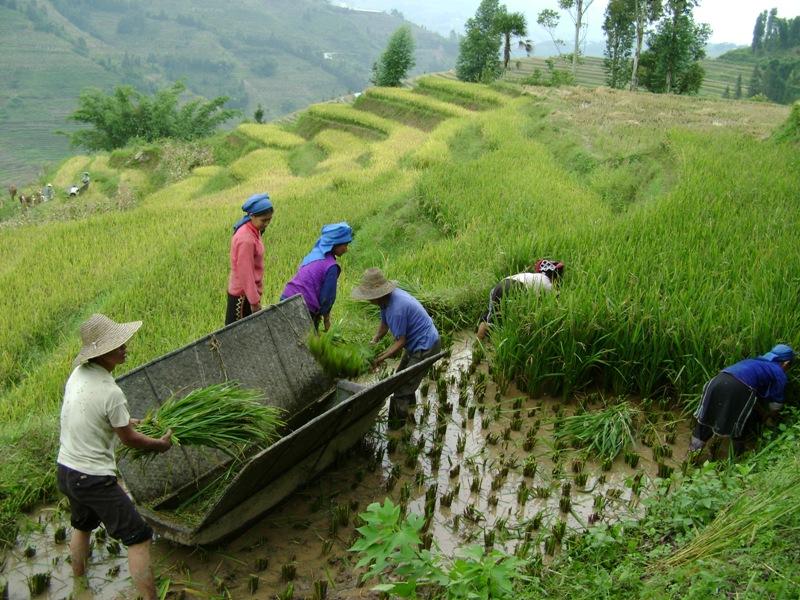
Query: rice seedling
(423, 390)
(550, 543)
(581, 479)
(475, 485)
(455, 471)
(559, 529)
(564, 503)
(223, 416)
(29, 551)
(604, 433)
(38, 583)
(578, 465)
(289, 571)
(488, 539)
(664, 471)
(599, 502)
(541, 491)
(471, 412)
(485, 422)
(493, 500)
(529, 467)
(60, 535)
(327, 546)
(492, 438)
(594, 518)
(566, 488)
(497, 483)
(114, 548)
(262, 562)
(631, 458)
(320, 589)
(461, 443)
(287, 593)
(252, 583)
(601, 479)
(516, 424)
(446, 500)
(606, 464)
(100, 535)
(405, 492)
(113, 571)
(337, 356)
(507, 434)
(523, 493)
(670, 437)
(614, 493)
(391, 445)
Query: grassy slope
(445, 211)
(216, 50)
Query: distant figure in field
(23, 201)
(245, 284)
(545, 272)
(73, 190)
(84, 182)
(730, 398)
(319, 272)
(37, 198)
(12, 191)
(48, 192)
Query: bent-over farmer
(541, 278)
(319, 272)
(413, 330)
(731, 396)
(93, 416)
(247, 259)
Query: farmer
(94, 414)
(545, 273)
(48, 192)
(730, 397)
(247, 259)
(413, 331)
(318, 273)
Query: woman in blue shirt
(729, 398)
(413, 330)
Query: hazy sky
(730, 20)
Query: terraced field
(591, 73)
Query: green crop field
(676, 218)
(53, 49)
(591, 73)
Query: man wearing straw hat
(731, 396)
(413, 330)
(93, 415)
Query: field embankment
(675, 217)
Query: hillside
(591, 72)
(283, 55)
(676, 218)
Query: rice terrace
(551, 459)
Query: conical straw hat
(100, 335)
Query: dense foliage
(127, 115)
(480, 46)
(396, 60)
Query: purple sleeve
(327, 294)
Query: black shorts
(95, 499)
(496, 296)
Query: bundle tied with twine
(224, 416)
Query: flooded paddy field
(484, 467)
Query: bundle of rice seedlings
(338, 357)
(770, 504)
(224, 416)
(604, 433)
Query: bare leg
(482, 329)
(79, 551)
(139, 566)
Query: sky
(730, 20)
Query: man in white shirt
(94, 414)
(541, 280)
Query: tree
(548, 19)
(512, 24)
(396, 60)
(758, 32)
(480, 47)
(738, 89)
(672, 62)
(259, 114)
(645, 12)
(620, 32)
(127, 114)
(577, 11)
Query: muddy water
(305, 539)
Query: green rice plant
(604, 433)
(224, 416)
(338, 357)
(418, 102)
(473, 96)
(346, 115)
(38, 583)
(270, 135)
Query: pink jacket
(247, 264)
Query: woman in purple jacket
(318, 273)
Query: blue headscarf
(779, 353)
(331, 235)
(254, 205)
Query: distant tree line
(675, 45)
(126, 115)
(777, 74)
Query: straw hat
(373, 285)
(100, 335)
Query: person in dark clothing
(730, 397)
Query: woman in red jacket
(247, 259)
